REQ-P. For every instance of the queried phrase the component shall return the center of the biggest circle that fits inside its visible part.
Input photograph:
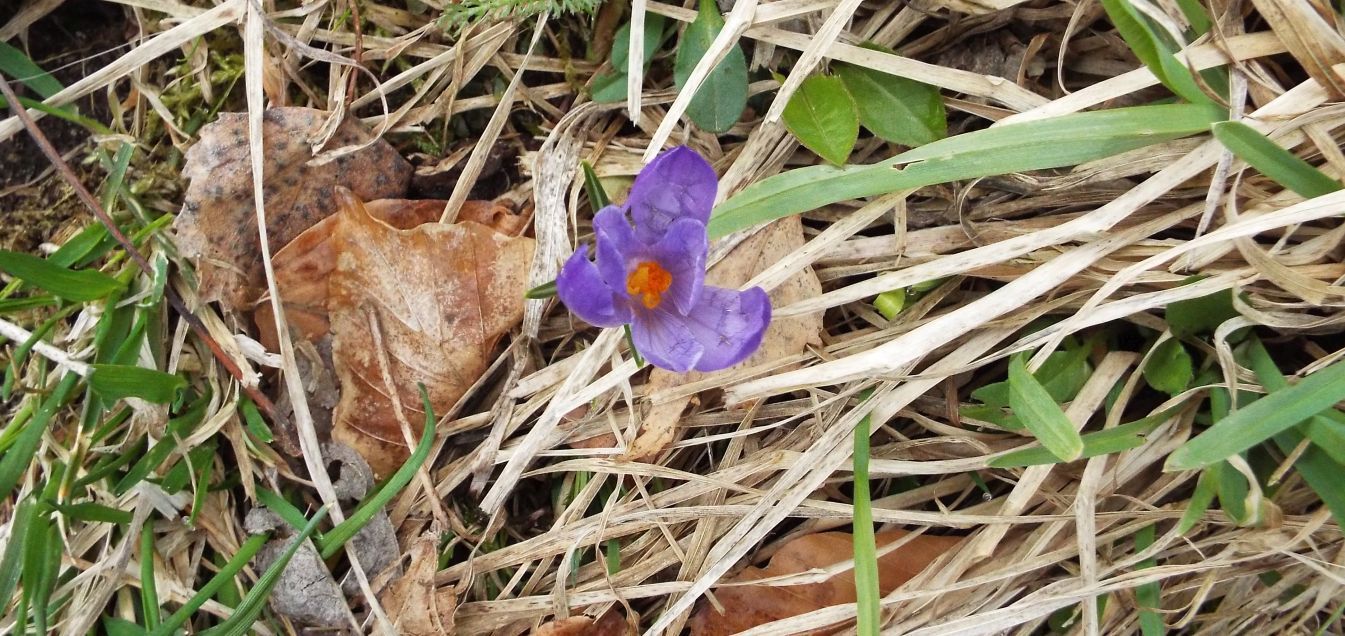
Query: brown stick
(263, 403)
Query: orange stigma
(648, 281)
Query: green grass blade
(221, 578)
(15, 64)
(1262, 419)
(149, 591)
(1104, 442)
(117, 381)
(1148, 596)
(245, 614)
(75, 285)
(12, 562)
(1272, 160)
(597, 195)
(1035, 145)
(867, 593)
(1040, 414)
(337, 537)
(1153, 50)
(18, 457)
(1200, 500)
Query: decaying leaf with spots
(784, 338)
(425, 305)
(747, 606)
(414, 604)
(217, 225)
(303, 268)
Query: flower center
(647, 282)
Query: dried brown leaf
(784, 338)
(748, 606)
(612, 623)
(415, 605)
(217, 224)
(437, 297)
(304, 266)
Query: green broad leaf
(117, 381)
(721, 98)
(1201, 315)
(825, 118)
(1272, 160)
(75, 285)
(1034, 145)
(1170, 368)
(16, 65)
(897, 109)
(1041, 414)
(612, 86)
(1154, 50)
(1262, 419)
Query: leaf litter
(1046, 546)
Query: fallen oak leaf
(218, 208)
(784, 337)
(415, 605)
(748, 606)
(304, 266)
(437, 297)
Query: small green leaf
(545, 290)
(1104, 442)
(1040, 414)
(1170, 368)
(611, 86)
(823, 115)
(1154, 50)
(1272, 160)
(117, 381)
(1201, 315)
(597, 195)
(1200, 499)
(890, 303)
(894, 108)
(75, 285)
(1262, 419)
(721, 98)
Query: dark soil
(78, 38)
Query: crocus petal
(677, 184)
(664, 339)
(681, 252)
(729, 325)
(582, 289)
(616, 244)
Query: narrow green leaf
(1105, 442)
(823, 115)
(867, 592)
(224, 576)
(121, 627)
(338, 536)
(597, 195)
(1327, 432)
(89, 511)
(1148, 596)
(721, 98)
(1170, 368)
(1035, 145)
(15, 64)
(1206, 487)
(12, 561)
(75, 285)
(1272, 160)
(149, 592)
(117, 381)
(894, 108)
(1040, 414)
(16, 460)
(1262, 419)
(890, 303)
(240, 622)
(1154, 51)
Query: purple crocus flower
(650, 273)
